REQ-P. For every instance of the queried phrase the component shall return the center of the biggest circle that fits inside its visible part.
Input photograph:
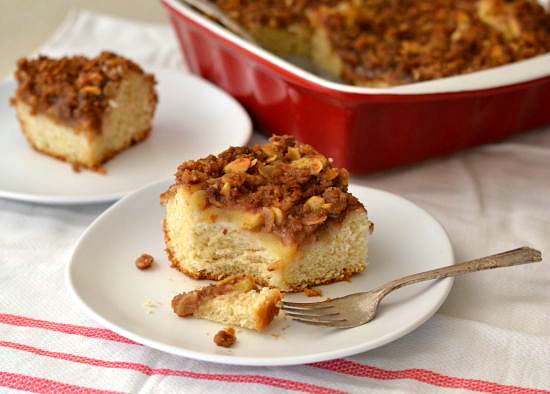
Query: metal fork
(357, 309)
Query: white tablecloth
(491, 335)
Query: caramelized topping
(293, 190)
(74, 90)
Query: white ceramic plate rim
(510, 74)
(255, 361)
(109, 197)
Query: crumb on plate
(313, 292)
(144, 261)
(225, 337)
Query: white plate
(103, 280)
(193, 118)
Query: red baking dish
(366, 129)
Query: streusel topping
(73, 90)
(293, 189)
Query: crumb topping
(385, 43)
(144, 261)
(293, 190)
(187, 304)
(225, 337)
(74, 90)
(272, 13)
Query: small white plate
(103, 280)
(193, 118)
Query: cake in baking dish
(84, 110)
(380, 43)
(280, 212)
(235, 300)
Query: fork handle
(518, 256)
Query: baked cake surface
(84, 110)
(235, 300)
(385, 43)
(279, 212)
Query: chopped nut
(241, 164)
(144, 261)
(269, 150)
(293, 153)
(266, 171)
(226, 189)
(314, 219)
(279, 216)
(225, 337)
(313, 164)
(93, 90)
(314, 203)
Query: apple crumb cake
(380, 43)
(280, 212)
(84, 110)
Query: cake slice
(279, 212)
(235, 300)
(84, 110)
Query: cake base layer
(125, 123)
(213, 244)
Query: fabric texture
(491, 335)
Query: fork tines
(314, 313)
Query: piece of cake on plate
(235, 300)
(280, 212)
(84, 110)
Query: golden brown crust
(385, 43)
(268, 311)
(294, 191)
(74, 91)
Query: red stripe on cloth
(40, 385)
(146, 370)
(92, 332)
(422, 375)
